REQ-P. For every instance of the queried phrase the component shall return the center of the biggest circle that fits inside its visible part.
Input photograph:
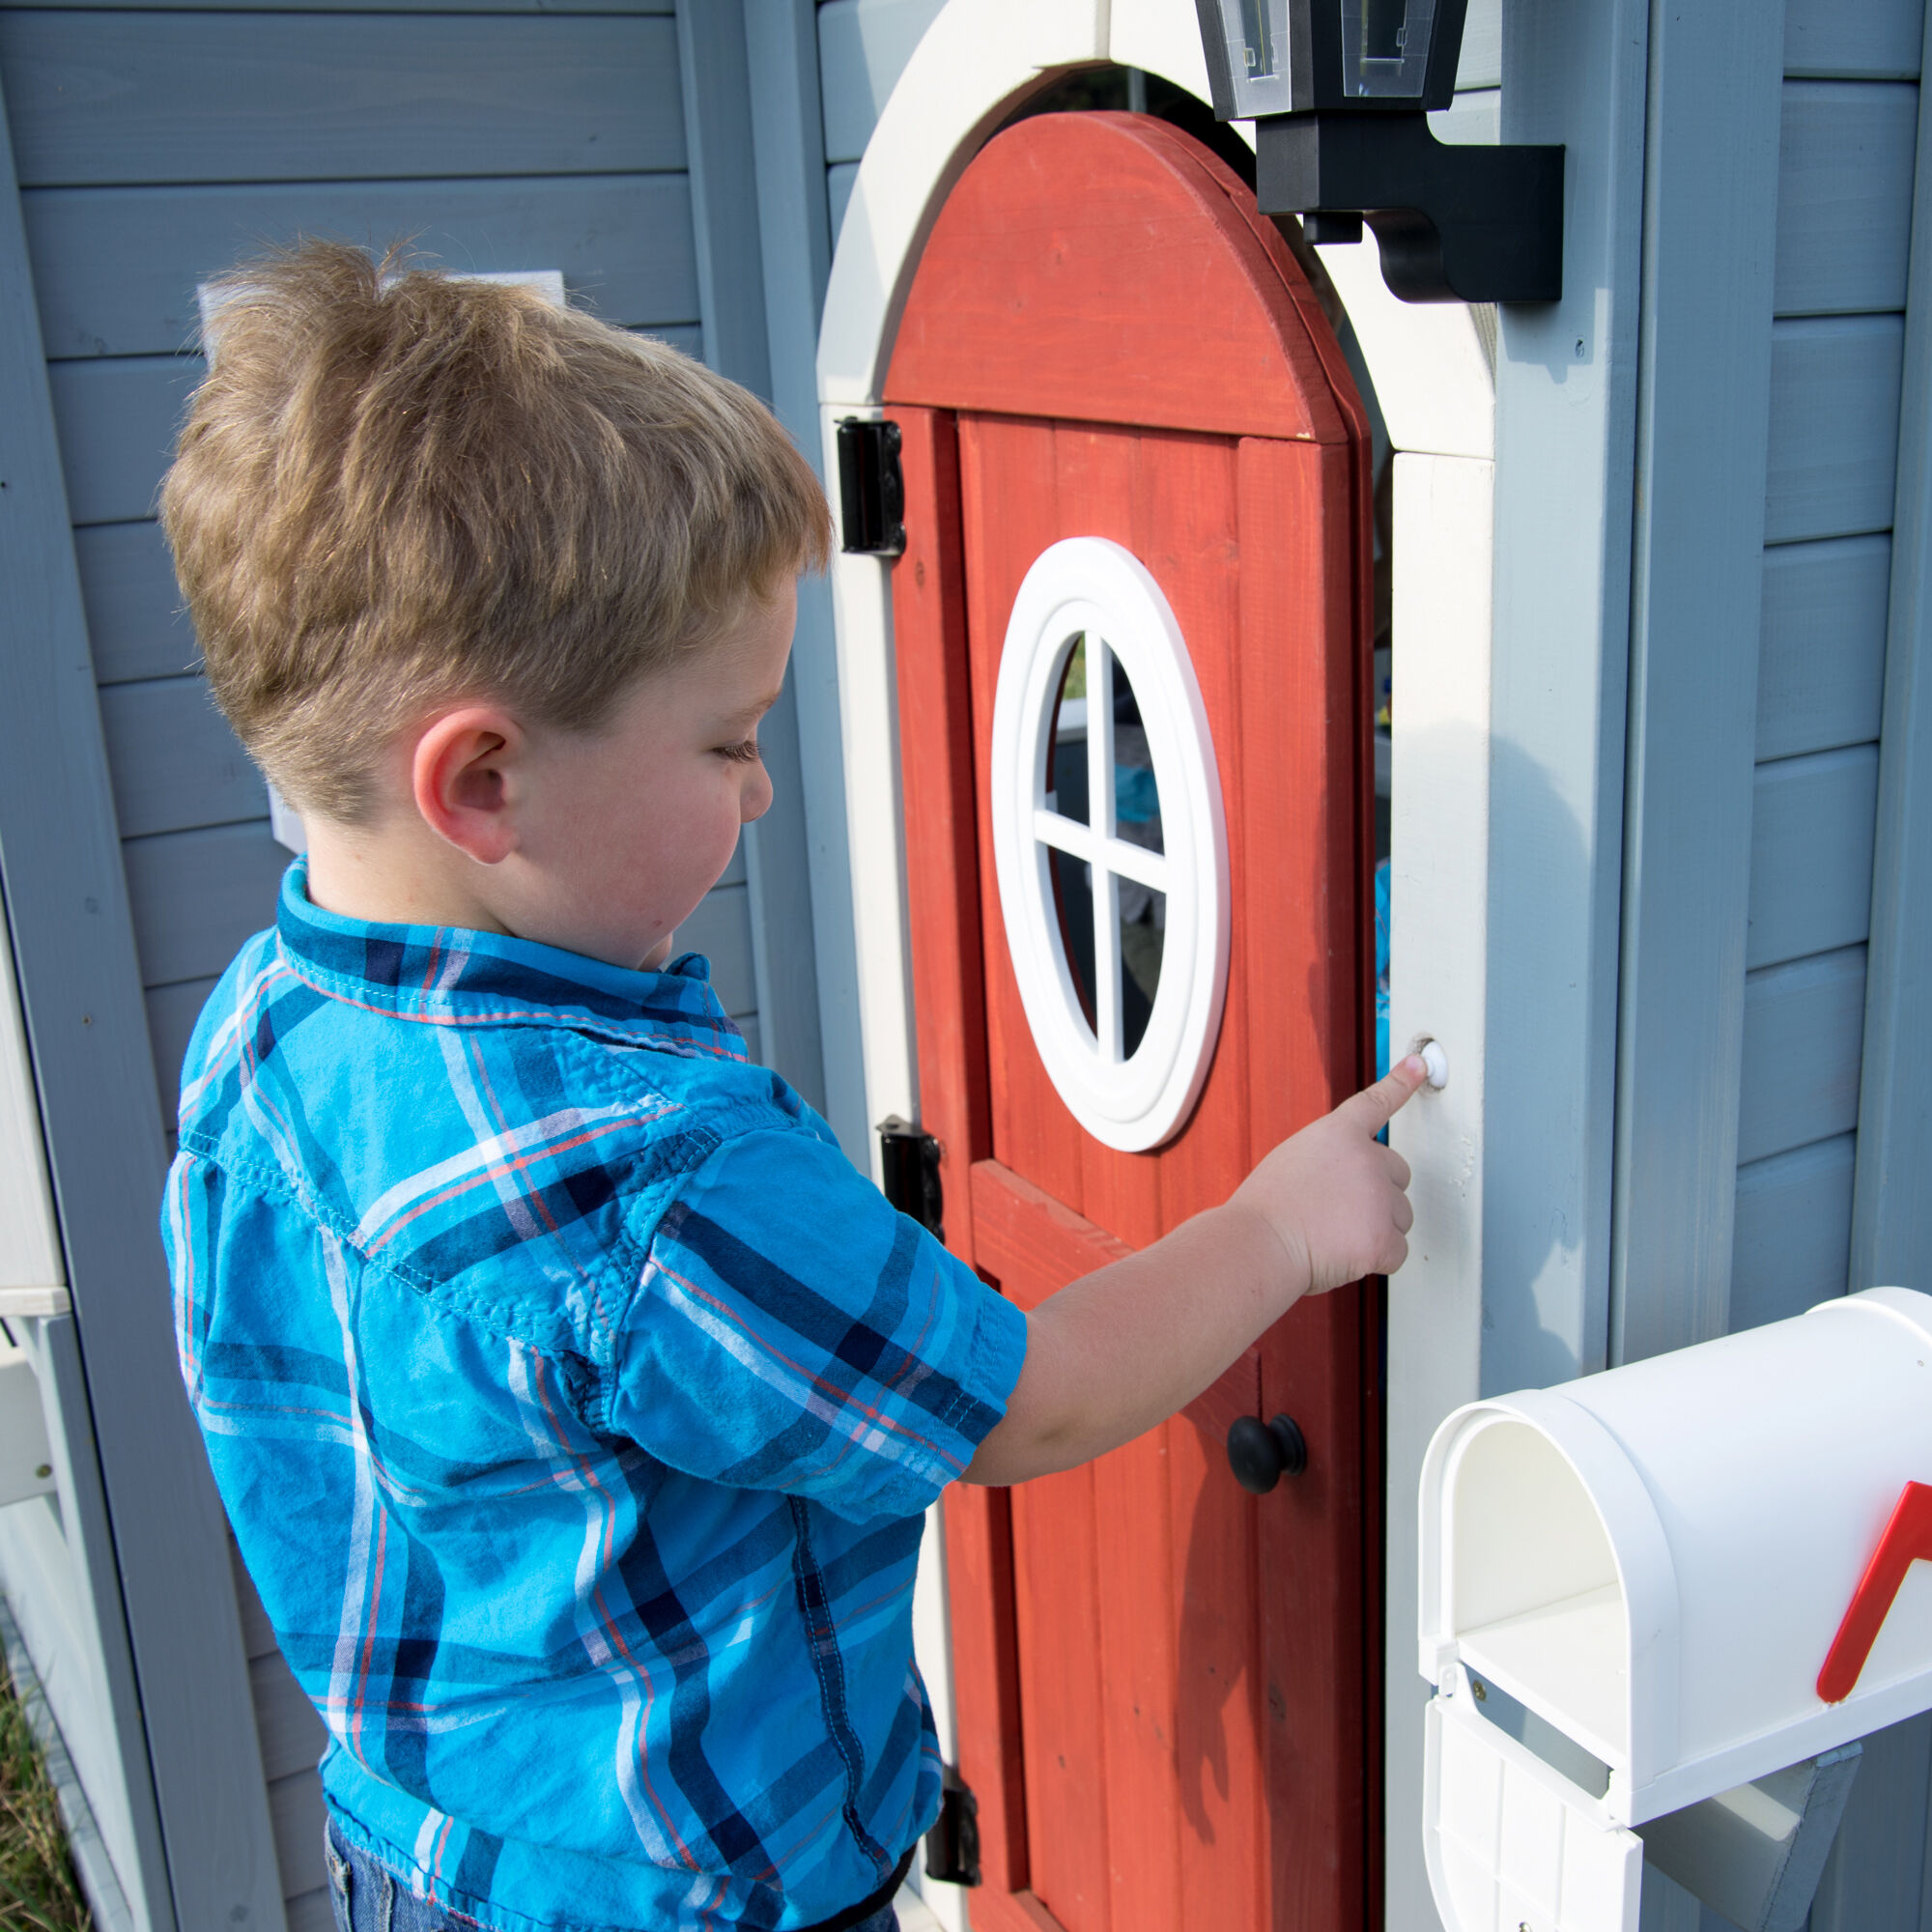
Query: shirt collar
(448, 975)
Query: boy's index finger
(1374, 1107)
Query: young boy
(574, 1400)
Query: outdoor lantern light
(1338, 90)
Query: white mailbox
(1660, 1584)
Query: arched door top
(966, 344)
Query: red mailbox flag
(1906, 1539)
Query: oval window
(1109, 843)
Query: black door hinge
(871, 489)
(952, 1845)
(912, 1174)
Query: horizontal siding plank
(296, 1812)
(1803, 1032)
(1874, 1877)
(1844, 196)
(135, 622)
(1791, 1239)
(1834, 392)
(258, 1635)
(173, 760)
(1813, 821)
(1867, 39)
(1821, 657)
(312, 1911)
(1481, 63)
(721, 928)
(115, 269)
(196, 895)
(863, 48)
(172, 1013)
(117, 420)
(292, 1735)
(257, 96)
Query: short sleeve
(791, 1331)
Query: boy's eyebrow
(758, 706)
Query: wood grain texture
(1844, 196)
(261, 96)
(1811, 854)
(863, 48)
(1148, 1777)
(174, 760)
(1891, 1232)
(1877, 40)
(1793, 1232)
(296, 1804)
(136, 624)
(985, 1674)
(172, 1013)
(118, 419)
(313, 1912)
(292, 1735)
(1008, 487)
(1874, 1875)
(1803, 1026)
(941, 827)
(257, 1632)
(1834, 400)
(115, 269)
(1710, 232)
(1821, 653)
(1127, 353)
(721, 928)
(196, 895)
(188, 1749)
(1303, 763)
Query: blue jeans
(368, 1898)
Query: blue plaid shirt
(575, 1403)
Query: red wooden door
(1165, 1686)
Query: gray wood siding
(1849, 150)
(1849, 144)
(863, 48)
(156, 145)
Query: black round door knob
(1261, 1453)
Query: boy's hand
(1333, 1194)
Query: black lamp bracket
(1475, 224)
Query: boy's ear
(462, 775)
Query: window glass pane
(1136, 795)
(1142, 934)
(1066, 744)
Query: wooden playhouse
(1649, 564)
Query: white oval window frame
(1094, 586)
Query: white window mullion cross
(1091, 590)
(1114, 855)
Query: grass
(37, 1888)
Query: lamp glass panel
(1385, 47)
(1257, 39)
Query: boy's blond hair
(396, 490)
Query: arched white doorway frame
(1432, 373)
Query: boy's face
(636, 820)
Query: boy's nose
(757, 798)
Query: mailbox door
(1165, 1686)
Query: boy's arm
(1121, 1349)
